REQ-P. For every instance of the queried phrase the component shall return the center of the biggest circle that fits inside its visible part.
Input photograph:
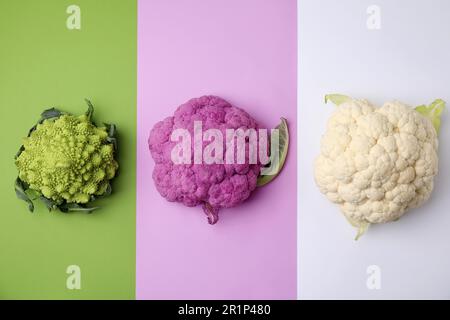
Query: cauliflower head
(67, 159)
(376, 163)
(214, 186)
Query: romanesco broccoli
(67, 161)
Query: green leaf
(337, 99)
(31, 130)
(33, 194)
(74, 207)
(433, 112)
(113, 141)
(111, 128)
(108, 191)
(20, 189)
(49, 203)
(90, 111)
(283, 151)
(362, 227)
(112, 131)
(50, 114)
(19, 152)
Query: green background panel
(44, 64)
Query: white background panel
(407, 59)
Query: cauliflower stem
(211, 213)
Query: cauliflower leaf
(337, 98)
(361, 227)
(433, 112)
(283, 133)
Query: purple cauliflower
(214, 186)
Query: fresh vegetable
(376, 163)
(66, 161)
(212, 185)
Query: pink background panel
(244, 51)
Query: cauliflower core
(214, 186)
(376, 163)
(67, 160)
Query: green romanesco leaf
(90, 112)
(74, 207)
(20, 189)
(50, 114)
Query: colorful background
(398, 61)
(137, 61)
(42, 64)
(245, 52)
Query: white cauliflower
(376, 163)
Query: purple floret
(214, 186)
